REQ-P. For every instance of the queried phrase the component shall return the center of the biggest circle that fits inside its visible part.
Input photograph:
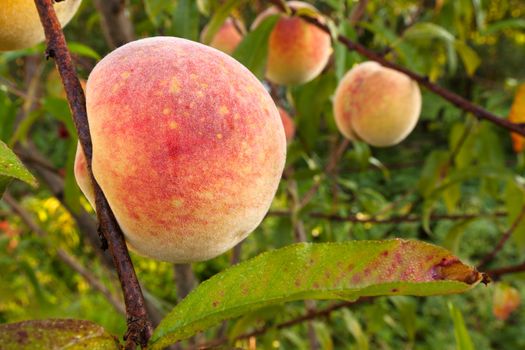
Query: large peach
(188, 147)
(227, 37)
(376, 104)
(297, 50)
(20, 24)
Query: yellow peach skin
(20, 24)
(188, 147)
(297, 50)
(288, 124)
(227, 37)
(377, 105)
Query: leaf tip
(453, 269)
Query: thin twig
(448, 95)
(139, 326)
(357, 12)
(496, 274)
(11, 87)
(503, 240)
(392, 220)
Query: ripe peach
(376, 104)
(188, 147)
(288, 124)
(505, 300)
(20, 24)
(297, 50)
(227, 37)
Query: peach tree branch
(139, 326)
(392, 220)
(503, 239)
(448, 95)
(496, 274)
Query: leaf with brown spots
(56, 335)
(345, 271)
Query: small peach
(20, 25)
(376, 104)
(506, 300)
(297, 50)
(227, 37)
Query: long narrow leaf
(344, 271)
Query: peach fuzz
(227, 37)
(20, 25)
(288, 124)
(376, 104)
(188, 147)
(297, 50)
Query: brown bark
(139, 326)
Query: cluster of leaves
(452, 166)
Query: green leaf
(514, 197)
(455, 233)
(432, 172)
(427, 30)
(218, 19)
(344, 271)
(12, 167)
(59, 109)
(463, 341)
(311, 101)
(470, 58)
(155, 8)
(83, 50)
(186, 20)
(323, 335)
(56, 334)
(7, 115)
(514, 23)
(252, 52)
(407, 309)
(353, 326)
(23, 128)
(459, 176)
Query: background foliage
(455, 182)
